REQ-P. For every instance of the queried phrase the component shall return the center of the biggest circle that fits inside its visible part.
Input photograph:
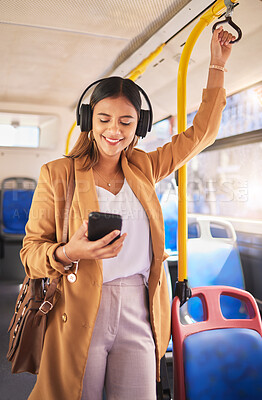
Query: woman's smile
(112, 141)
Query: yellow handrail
(69, 137)
(215, 11)
(140, 69)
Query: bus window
(19, 136)
(225, 179)
(25, 130)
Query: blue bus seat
(169, 205)
(16, 198)
(213, 255)
(214, 259)
(217, 358)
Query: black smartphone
(100, 224)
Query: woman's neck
(109, 165)
(109, 175)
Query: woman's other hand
(80, 247)
(221, 46)
(220, 52)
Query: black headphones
(84, 114)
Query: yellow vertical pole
(215, 11)
(182, 173)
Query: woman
(111, 326)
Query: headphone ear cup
(85, 118)
(143, 125)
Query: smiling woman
(130, 268)
(52, 52)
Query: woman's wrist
(217, 67)
(61, 256)
(217, 61)
(68, 257)
(215, 75)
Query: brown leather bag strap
(47, 304)
(69, 198)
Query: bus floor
(19, 386)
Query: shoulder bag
(34, 302)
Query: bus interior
(51, 51)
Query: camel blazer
(71, 322)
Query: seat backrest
(214, 259)
(217, 355)
(169, 205)
(16, 198)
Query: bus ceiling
(51, 52)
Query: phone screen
(101, 224)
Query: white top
(136, 254)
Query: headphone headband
(144, 123)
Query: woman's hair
(109, 87)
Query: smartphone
(100, 224)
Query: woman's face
(114, 125)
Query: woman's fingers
(225, 37)
(79, 247)
(221, 46)
(110, 250)
(104, 241)
(218, 33)
(82, 231)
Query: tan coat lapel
(85, 190)
(85, 201)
